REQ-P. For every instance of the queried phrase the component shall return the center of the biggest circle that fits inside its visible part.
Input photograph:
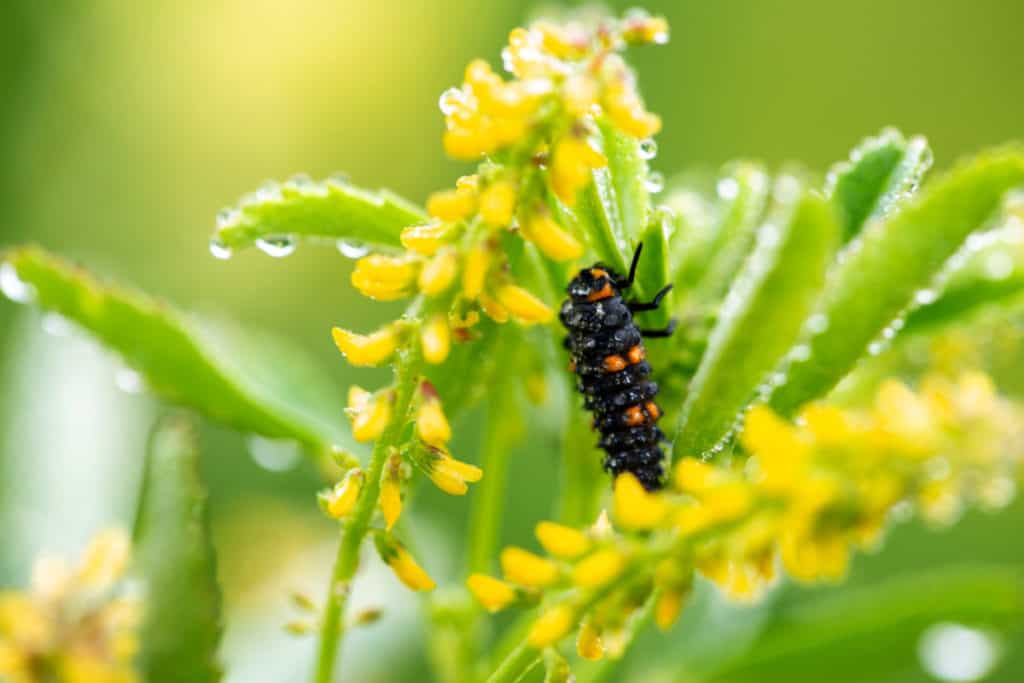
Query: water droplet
(926, 296)
(954, 652)
(778, 379)
(227, 217)
(875, 348)
(648, 149)
(801, 352)
(219, 250)
(273, 455)
(13, 287)
(271, 192)
(888, 333)
(817, 323)
(451, 100)
(128, 380)
(768, 236)
(655, 182)
(728, 188)
(56, 325)
(352, 249)
(339, 178)
(998, 265)
(277, 246)
(299, 180)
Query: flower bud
(599, 568)
(552, 625)
(439, 272)
(474, 273)
(366, 350)
(526, 569)
(492, 593)
(562, 541)
(451, 205)
(498, 203)
(523, 305)
(391, 491)
(369, 413)
(556, 243)
(436, 339)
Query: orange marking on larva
(598, 273)
(614, 363)
(636, 354)
(653, 410)
(603, 293)
(634, 416)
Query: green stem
(519, 663)
(583, 478)
(406, 372)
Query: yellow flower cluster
(811, 492)
(75, 625)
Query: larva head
(593, 284)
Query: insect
(609, 360)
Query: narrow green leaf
(744, 190)
(762, 315)
(328, 210)
(695, 226)
(246, 380)
(652, 273)
(174, 559)
(891, 260)
(989, 271)
(837, 638)
(880, 173)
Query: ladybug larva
(612, 371)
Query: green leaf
(652, 272)
(762, 315)
(612, 210)
(744, 189)
(880, 173)
(693, 237)
(892, 259)
(328, 210)
(174, 558)
(837, 638)
(244, 379)
(989, 271)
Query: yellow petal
(552, 625)
(370, 414)
(493, 309)
(366, 350)
(436, 339)
(667, 608)
(391, 493)
(498, 203)
(478, 261)
(439, 273)
(694, 475)
(409, 572)
(556, 243)
(588, 642)
(425, 239)
(462, 470)
(431, 423)
(343, 498)
(524, 305)
(562, 541)
(492, 593)
(635, 508)
(526, 569)
(599, 568)
(451, 205)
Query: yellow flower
(439, 272)
(588, 642)
(599, 568)
(451, 205)
(492, 593)
(385, 278)
(426, 239)
(493, 309)
(431, 424)
(556, 243)
(904, 418)
(498, 203)
(523, 305)
(643, 28)
(781, 452)
(449, 474)
(340, 501)
(571, 164)
(366, 350)
(402, 563)
(370, 413)
(636, 508)
(562, 541)
(478, 261)
(436, 339)
(552, 625)
(391, 491)
(695, 476)
(526, 569)
(828, 425)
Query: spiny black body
(609, 360)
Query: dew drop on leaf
(998, 266)
(219, 250)
(817, 323)
(277, 246)
(56, 325)
(450, 101)
(728, 188)
(648, 149)
(655, 182)
(13, 287)
(954, 652)
(352, 249)
(925, 296)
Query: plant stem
(583, 478)
(519, 663)
(347, 560)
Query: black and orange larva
(612, 372)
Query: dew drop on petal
(13, 287)
(954, 652)
(353, 249)
(277, 246)
(273, 455)
(648, 149)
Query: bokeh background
(125, 127)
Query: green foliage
(768, 302)
(174, 558)
(245, 380)
(329, 210)
(881, 271)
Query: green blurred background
(126, 126)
